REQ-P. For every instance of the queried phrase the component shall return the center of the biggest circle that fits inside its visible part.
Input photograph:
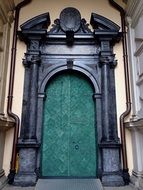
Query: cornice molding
(131, 5)
(6, 7)
(135, 125)
(5, 124)
(134, 11)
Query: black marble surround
(69, 46)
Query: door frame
(96, 98)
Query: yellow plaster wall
(54, 7)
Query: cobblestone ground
(10, 187)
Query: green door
(69, 144)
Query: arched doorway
(69, 131)
(44, 147)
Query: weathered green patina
(69, 134)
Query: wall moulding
(6, 10)
(134, 10)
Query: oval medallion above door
(69, 131)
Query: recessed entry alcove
(69, 127)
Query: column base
(112, 180)
(111, 164)
(3, 179)
(26, 175)
(137, 179)
(25, 179)
(126, 176)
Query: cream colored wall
(54, 7)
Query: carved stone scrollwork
(55, 27)
(85, 26)
(70, 22)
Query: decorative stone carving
(70, 23)
(70, 19)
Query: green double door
(69, 132)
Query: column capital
(31, 59)
(108, 60)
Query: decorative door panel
(69, 144)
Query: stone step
(68, 184)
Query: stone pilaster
(110, 146)
(28, 142)
(30, 132)
(32, 33)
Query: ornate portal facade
(58, 66)
(63, 91)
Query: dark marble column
(107, 65)
(110, 146)
(98, 101)
(33, 33)
(35, 60)
(28, 143)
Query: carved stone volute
(70, 23)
